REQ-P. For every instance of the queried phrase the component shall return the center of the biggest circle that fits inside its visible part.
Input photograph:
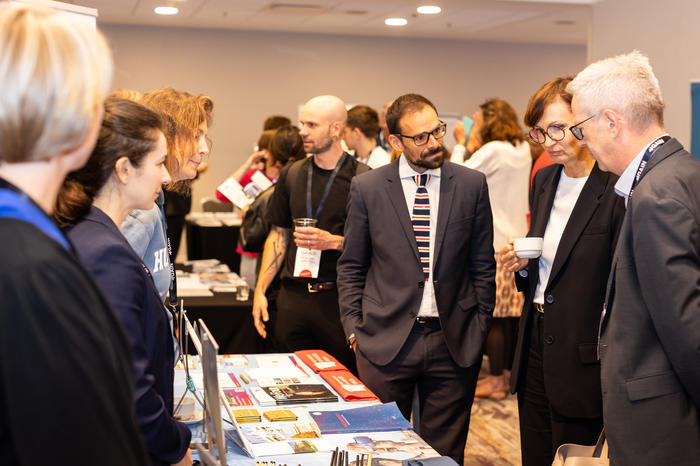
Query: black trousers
(445, 390)
(311, 321)
(542, 429)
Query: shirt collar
(405, 170)
(624, 183)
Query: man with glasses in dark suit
(417, 276)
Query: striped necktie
(421, 222)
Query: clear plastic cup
(305, 222)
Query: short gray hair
(624, 83)
(55, 71)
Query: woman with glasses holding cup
(556, 372)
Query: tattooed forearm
(273, 256)
(279, 248)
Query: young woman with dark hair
(126, 171)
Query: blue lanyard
(653, 147)
(15, 203)
(309, 174)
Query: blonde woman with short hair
(65, 366)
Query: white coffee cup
(528, 248)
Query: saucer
(196, 417)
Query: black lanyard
(309, 174)
(653, 147)
(172, 293)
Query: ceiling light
(428, 9)
(166, 10)
(395, 21)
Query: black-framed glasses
(577, 131)
(423, 138)
(554, 132)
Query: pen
(244, 379)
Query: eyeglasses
(578, 132)
(423, 138)
(539, 135)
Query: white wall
(668, 33)
(251, 75)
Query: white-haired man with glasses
(650, 328)
(416, 279)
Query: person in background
(383, 136)
(256, 161)
(286, 148)
(307, 307)
(65, 363)
(574, 207)
(186, 119)
(276, 122)
(126, 171)
(466, 144)
(503, 156)
(360, 135)
(650, 326)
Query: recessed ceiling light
(166, 10)
(429, 9)
(395, 21)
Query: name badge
(307, 262)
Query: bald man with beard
(316, 187)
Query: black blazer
(650, 341)
(129, 288)
(575, 292)
(380, 279)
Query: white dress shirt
(428, 305)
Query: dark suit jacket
(129, 288)
(575, 292)
(650, 344)
(380, 279)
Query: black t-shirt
(289, 202)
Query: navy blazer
(129, 288)
(380, 277)
(575, 292)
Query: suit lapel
(545, 198)
(586, 205)
(398, 201)
(447, 191)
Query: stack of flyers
(279, 415)
(246, 415)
